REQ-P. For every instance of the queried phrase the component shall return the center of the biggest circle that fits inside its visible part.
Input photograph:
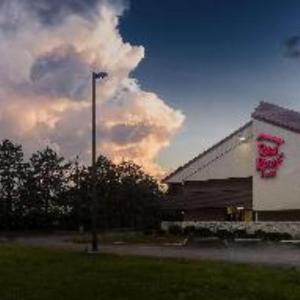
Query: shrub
(259, 234)
(204, 232)
(272, 236)
(277, 236)
(225, 234)
(175, 230)
(286, 236)
(189, 230)
(147, 231)
(241, 233)
(160, 232)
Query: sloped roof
(207, 151)
(277, 115)
(267, 112)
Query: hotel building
(251, 175)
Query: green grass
(39, 274)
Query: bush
(175, 230)
(148, 231)
(241, 234)
(225, 234)
(160, 232)
(286, 236)
(204, 232)
(189, 230)
(259, 234)
(272, 236)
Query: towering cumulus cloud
(47, 52)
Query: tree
(11, 179)
(127, 196)
(77, 196)
(140, 197)
(47, 183)
(106, 186)
(48, 190)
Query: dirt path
(269, 254)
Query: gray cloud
(54, 12)
(125, 133)
(292, 45)
(51, 12)
(61, 73)
(12, 15)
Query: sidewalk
(267, 254)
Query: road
(266, 254)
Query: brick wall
(206, 214)
(281, 215)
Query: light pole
(94, 206)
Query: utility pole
(94, 206)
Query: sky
(182, 74)
(214, 60)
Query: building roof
(207, 151)
(267, 112)
(277, 115)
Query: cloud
(293, 47)
(63, 62)
(48, 50)
(54, 12)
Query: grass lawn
(34, 273)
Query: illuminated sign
(269, 156)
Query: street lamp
(94, 206)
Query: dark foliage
(175, 230)
(225, 234)
(272, 236)
(204, 232)
(48, 192)
(189, 230)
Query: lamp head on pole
(99, 75)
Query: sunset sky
(183, 74)
(214, 60)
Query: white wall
(283, 191)
(233, 158)
(293, 228)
